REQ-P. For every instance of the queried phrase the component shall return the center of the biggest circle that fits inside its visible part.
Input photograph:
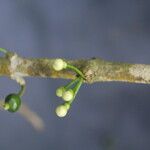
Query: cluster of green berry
(69, 91)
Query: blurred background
(104, 116)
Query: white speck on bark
(14, 62)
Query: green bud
(60, 91)
(68, 95)
(59, 64)
(61, 111)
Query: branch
(94, 70)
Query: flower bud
(68, 95)
(59, 64)
(60, 91)
(61, 111)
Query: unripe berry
(68, 95)
(60, 91)
(59, 64)
(61, 111)
(12, 102)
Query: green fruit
(12, 102)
